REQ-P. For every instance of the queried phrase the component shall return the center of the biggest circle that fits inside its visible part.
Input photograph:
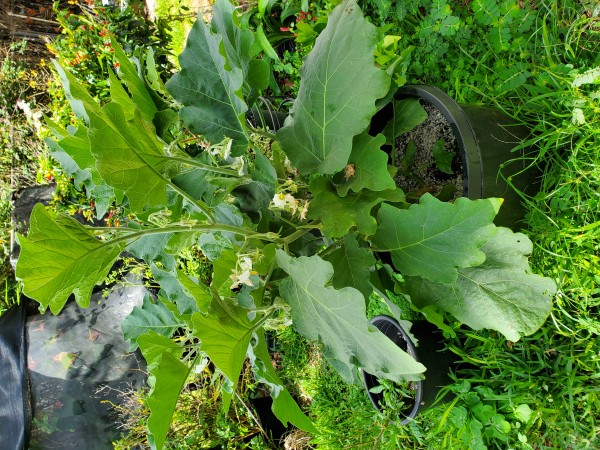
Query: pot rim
(463, 131)
(390, 326)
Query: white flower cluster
(287, 202)
(242, 273)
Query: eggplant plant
(294, 227)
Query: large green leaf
(61, 257)
(434, 239)
(284, 406)
(129, 157)
(225, 333)
(152, 315)
(352, 264)
(337, 95)
(72, 150)
(501, 294)
(167, 376)
(338, 319)
(341, 214)
(210, 92)
(368, 166)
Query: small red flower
(285, 29)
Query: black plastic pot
(486, 138)
(430, 352)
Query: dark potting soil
(421, 175)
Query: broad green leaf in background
(255, 197)
(152, 315)
(209, 92)
(76, 145)
(407, 114)
(369, 166)
(352, 264)
(167, 374)
(341, 214)
(284, 406)
(434, 239)
(151, 248)
(236, 42)
(73, 153)
(225, 333)
(172, 290)
(337, 95)
(338, 319)
(61, 257)
(501, 294)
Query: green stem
(199, 203)
(299, 233)
(263, 133)
(199, 165)
(191, 229)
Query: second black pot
(430, 352)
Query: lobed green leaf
(61, 257)
(434, 239)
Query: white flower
(304, 210)
(287, 202)
(242, 273)
(239, 165)
(287, 164)
(222, 149)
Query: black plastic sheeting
(79, 370)
(15, 401)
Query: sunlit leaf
(209, 92)
(61, 257)
(167, 376)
